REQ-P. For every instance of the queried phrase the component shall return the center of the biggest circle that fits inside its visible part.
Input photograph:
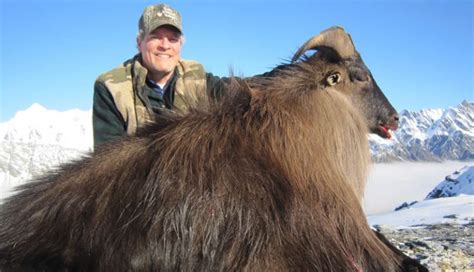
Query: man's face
(161, 51)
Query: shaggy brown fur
(269, 179)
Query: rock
(440, 247)
(405, 205)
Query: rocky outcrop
(440, 247)
(460, 182)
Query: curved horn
(334, 37)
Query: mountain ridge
(429, 135)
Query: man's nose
(165, 43)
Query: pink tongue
(385, 132)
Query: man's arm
(108, 124)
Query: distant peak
(33, 112)
(35, 107)
(467, 103)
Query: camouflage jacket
(124, 99)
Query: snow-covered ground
(450, 201)
(458, 209)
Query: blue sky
(420, 52)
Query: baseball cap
(155, 16)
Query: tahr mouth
(384, 130)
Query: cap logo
(158, 15)
(169, 13)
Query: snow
(459, 209)
(460, 182)
(37, 139)
(429, 134)
(38, 125)
(419, 124)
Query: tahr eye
(334, 79)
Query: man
(155, 79)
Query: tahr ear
(329, 54)
(253, 92)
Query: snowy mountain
(460, 182)
(429, 135)
(38, 139)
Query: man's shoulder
(190, 62)
(119, 74)
(191, 67)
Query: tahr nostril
(396, 118)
